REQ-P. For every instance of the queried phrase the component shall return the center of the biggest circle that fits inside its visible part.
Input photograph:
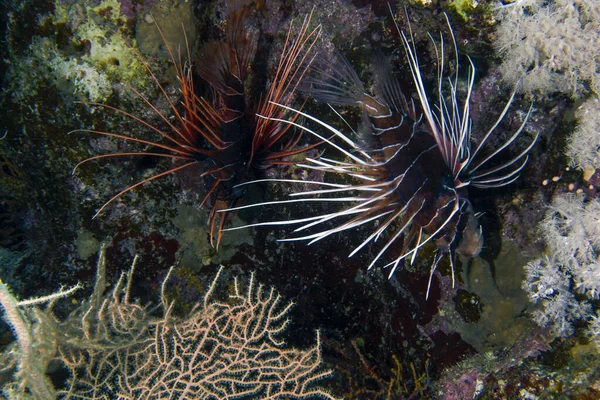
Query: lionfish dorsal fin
(242, 38)
(223, 64)
(387, 87)
(333, 80)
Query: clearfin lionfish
(221, 133)
(412, 167)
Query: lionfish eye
(237, 193)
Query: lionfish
(411, 169)
(223, 134)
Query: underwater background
(79, 321)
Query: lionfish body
(220, 133)
(402, 155)
(412, 167)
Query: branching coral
(571, 229)
(36, 344)
(551, 45)
(583, 147)
(550, 284)
(114, 347)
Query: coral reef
(92, 30)
(381, 338)
(594, 328)
(527, 370)
(58, 53)
(583, 147)
(550, 46)
(482, 374)
(177, 24)
(571, 230)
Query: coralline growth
(550, 46)
(571, 229)
(583, 146)
(113, 347)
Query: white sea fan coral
(544, 280)
(549, 284)
(571, 229)
(583, 147)
(551, 45)
(588, 280)
(560, 312)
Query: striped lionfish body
(412, 166)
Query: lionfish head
(471, 241)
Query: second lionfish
(220, 133)
(412, 169)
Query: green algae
(499, 288)
(87, 245)
(100, 30)
(194, 238)
(175, 20)
(87, 48)
(464, 8)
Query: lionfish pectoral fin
(414, 256)
(153, 177)
(295, 61)
(242, 38)
(509, 169)
(407, 219)
(333, 131)
(438, 256)
(451, 256)
(212, 188)
(219, 214)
